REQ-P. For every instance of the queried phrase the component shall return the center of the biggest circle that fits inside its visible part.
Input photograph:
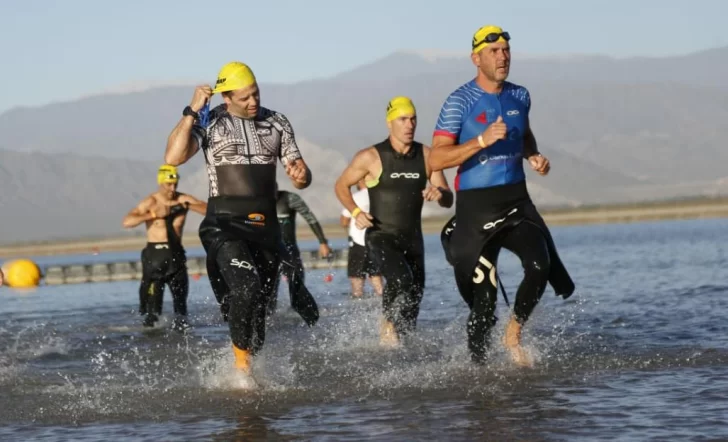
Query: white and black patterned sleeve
(289, 149)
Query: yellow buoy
(21, 273)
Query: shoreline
(624, 213)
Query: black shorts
(360, 263)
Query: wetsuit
(494, 210)
(240, 231)
(287, 206)
(395, 240)
(164, 263)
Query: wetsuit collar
(399, 155)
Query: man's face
(403, 128)
(168, 189)
(243, 102)
(494, 61)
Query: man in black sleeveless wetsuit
(242, 142)
(164, 261)
(484, 129)
(288, 204)
(396, 174)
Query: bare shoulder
(149, 201)
(367, 154)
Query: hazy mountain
(615, 129)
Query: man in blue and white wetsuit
(483, 128)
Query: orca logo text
(491, 224)
(405, 175)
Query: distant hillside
(616, 130)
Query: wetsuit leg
(219, 288)
(356, 266)
(268, 264)
(397, 273)
(481, 298)
(411, 305)
(302, 300)
(179, 285)
(249, 275)
(528, 242)
(145, 283)
(151, 289)
(151, 293)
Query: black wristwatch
(188, 111)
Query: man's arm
(344, 220)
(290, 155)
(181, 144)
(446, 153)
(299, 173)
(538, 162)
(440, 190)
(356, 171)
(530, 147)
(299, 206)
(194, 204)
(438, 180)
(139, 214)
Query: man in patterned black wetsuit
(288, 204)
(242, 142)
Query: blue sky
(57, 50)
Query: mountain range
(615, 130)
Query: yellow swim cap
(232, 76)
(399, 107)
(167, 174)
(488, 34)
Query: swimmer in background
(288, 204)
(360, 263)
(163, 259)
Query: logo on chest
(406, 175)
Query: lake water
(640, 352)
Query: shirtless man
(163, 259)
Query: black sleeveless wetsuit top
(396, 200)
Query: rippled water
(639, 352)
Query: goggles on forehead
(167, 178)
(492, 38)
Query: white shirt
(361, 198)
